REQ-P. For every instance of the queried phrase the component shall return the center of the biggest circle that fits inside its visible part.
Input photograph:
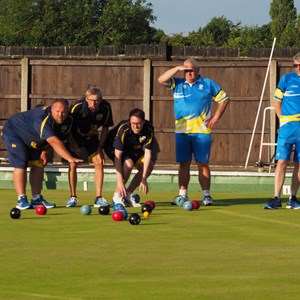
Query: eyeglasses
(296, 65)
(190, 70)
(94, 100)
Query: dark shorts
(88, 148)
(110, 152)
(19, 154)
(134, 156)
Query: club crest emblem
(99, 117)
(142, 139)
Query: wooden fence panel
(243, 82)
(122, 83)
(10, 92)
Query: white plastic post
(259, 105)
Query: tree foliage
(214, 34)
(125, 22)
(218, 29)
(121, 22)
(69, 22)
(283, 25)
(251, 37)
(221, 32)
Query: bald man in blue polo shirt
(26, 136)
(193, 97)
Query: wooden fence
(128, 83)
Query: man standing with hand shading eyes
(287, 107)
(193, 96)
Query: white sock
(35, 197)
(205, 193)
(183, 193)
(19, 197)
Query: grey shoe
(207, 200)
(100, 201)
(72, 202)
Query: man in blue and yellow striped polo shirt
(287, 107)
(193, 97)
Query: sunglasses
(189, 70)
(296, 65)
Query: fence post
(273, 84)
(24, 84)
(147, 88)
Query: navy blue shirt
(86, 123)
(127, 141)
(35, 126)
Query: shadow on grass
(153, 224)
(227, 202)
(47, 216)
(240, 201)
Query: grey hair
(94, 91)
(192, 61)
(297, 57)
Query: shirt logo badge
(99, 117)
(200, 87)
(142, 139)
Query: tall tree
(69, 22)
(218, 29)
(284, 22)
(214, 34)
(123, 22)
(298, 32)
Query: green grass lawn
(232, 250)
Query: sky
(185, 16)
